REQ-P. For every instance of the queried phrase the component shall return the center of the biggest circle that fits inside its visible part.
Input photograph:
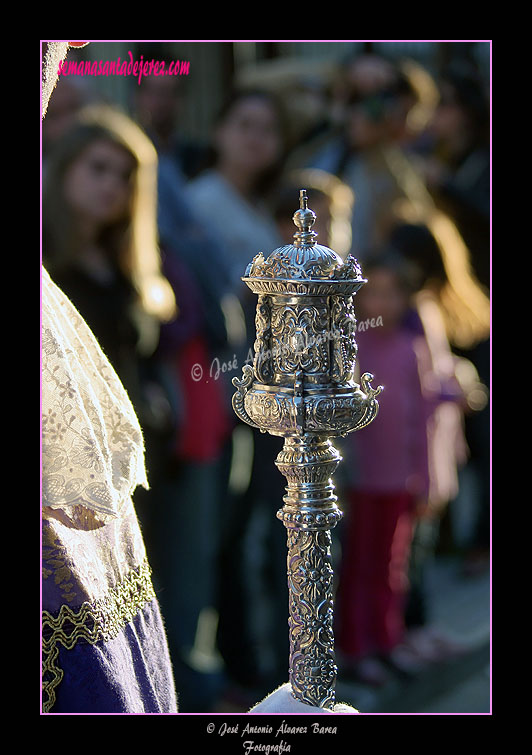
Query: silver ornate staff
(301, 387)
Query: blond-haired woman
(100, 236)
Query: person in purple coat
(389, 478)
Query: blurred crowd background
(157, 195)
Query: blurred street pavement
(460, 607)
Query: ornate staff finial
(301, 387)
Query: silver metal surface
(301, 387)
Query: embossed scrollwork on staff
(310, 574)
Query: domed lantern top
(304, 267)
(305, 336)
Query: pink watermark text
(137, 68)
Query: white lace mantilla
(92, 445)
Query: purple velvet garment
(107, 653)
(128, 674)
(390, 454)
(104, 643)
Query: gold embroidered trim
(101, 620)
